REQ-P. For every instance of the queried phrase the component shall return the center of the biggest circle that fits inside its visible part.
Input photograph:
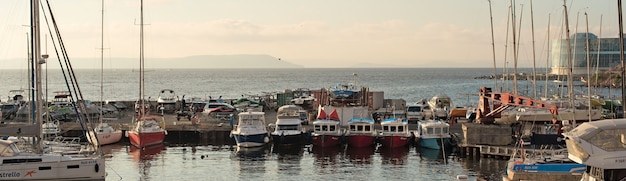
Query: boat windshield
(287, 127)
(610, 140)
(360, 128)
(325, 128)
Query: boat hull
(360, 141)
(395, 141)
(563, 171)
(254, 140)
(63, 169)
(326, 140)
(144, 139)
(431, 143)
(293, 139)
(109, 138)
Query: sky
(314, 34)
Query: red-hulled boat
(326, 133)
(146, 132)
(395, 133)
(360, 133)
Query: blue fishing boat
(433, 134)
(345, 91)
(250, 130)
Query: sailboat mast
(101, 60)
(514, 49)
(621, 51)
(141, 62)
(545, 93)
(595, 86)
(570, 92)
(36, 63)
(588, 67)
(532, 29)
(493, 48)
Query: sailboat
(147, 131)
(105, 133)
(34, 163)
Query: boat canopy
(361, 120)
(8, 149)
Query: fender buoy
(97, 168)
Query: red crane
(501, 101)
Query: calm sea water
(410, 84)
(306, 163)
(211, 162)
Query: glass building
(607, 53)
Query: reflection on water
(252, 153)
(485, 168)
(146, 154)
(326, 158)
(394, 156)
(144, 157)
(227, 162)
(360, 155)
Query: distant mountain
(191, 62)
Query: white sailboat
(35, 163)
(104, 132)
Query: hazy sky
(312, 33)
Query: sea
(225, 162)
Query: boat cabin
(433, 129)
(394, 126)
(361, 125)
(326, 126)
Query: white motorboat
(166, 102)
(440, 106)
(250, 131)
(288, 129)
(601, 145)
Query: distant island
(191, 62)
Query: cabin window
(288, 127)
(331, 128)
(352, 128)
(368, 128)
(438, 131)
(6, 161)
(45, 168)
(385, 128)
(73, 166)
(392, 128)
(318, 128)
(414, 109)
(429, 130)
(359, 128)
(445, 130)
(400, 128)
